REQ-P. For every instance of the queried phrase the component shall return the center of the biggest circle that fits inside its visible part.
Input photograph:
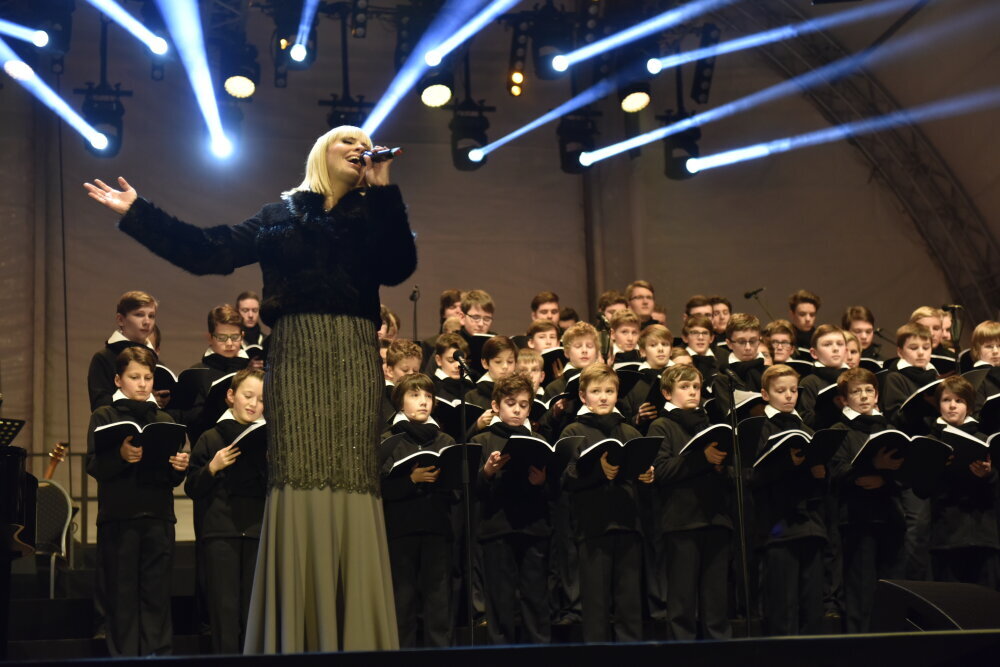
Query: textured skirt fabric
(322, 581)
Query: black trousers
(137, 559)
(229, 566)
(793, 587)
(459, 581)
(421, 581)
(871, 552)
(833, 560)
(916, 546)
(564, 563)
(610, 576)
(697, 574)
(969, 565)
(653, 552)
(515, 567)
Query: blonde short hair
(317, 177)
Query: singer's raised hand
(376, 173)
(118, 201)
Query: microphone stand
(467, 501)
(756, 297)
(956, 335)
(740, 507)
(415, 297)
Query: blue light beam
(599, 90)
(37, 37)
(298, 52)
(448, 19)
(963, 104)
(184, 23)
(120, 15)
(804, 82)
(434, 56)
(674, 17)
(24, 75)
(865, 12)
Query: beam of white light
(122, 17)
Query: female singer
(322, 581)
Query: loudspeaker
(923, 606)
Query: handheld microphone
(752, 293)
(383, 155)
(459, 356)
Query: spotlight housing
(680, 148)
(436, 86)
(103, 109)
(634, 97)
(468, 132)
(576, 137)
(241, 71)
(551, 36)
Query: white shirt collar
(485, 378)
(242, 354)
(229, 416)
(821, 365)
(981, 364)
(902, 363)
(118, 337)
(390, 383)
(670, 407)
(940, 420)
(441, 375)
(644, 366)
(853, 414)
(400, 417)
(120, 395)
(584, 410)
(770, 411)
(734, 360)
(540, 391)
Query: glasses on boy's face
(698, 333)
(780, 343)
(222, 338)
(744, 342)
(485, 319)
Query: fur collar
(305, 203)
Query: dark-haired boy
(625, 338)
(828, 349)
(499, 361)
(654, 346)
(448, 381)
(402, 358)
(802, 308)
(722, 310)
(744, 361)
(418, 519)
(696, 335)
(642, 300)
(514, 527)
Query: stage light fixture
(240, 70)
(704, 68)
(436, 86)
(359, 18)
(518, 56)
(679, 148)
(634, 97)
(468, 133)
(551, 35)
(576, 135)
(18, 70)
(37, 37)
(305, 35)
(102, 105)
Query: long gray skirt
(322, 581)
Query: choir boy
(418, 519)
(624, 337)
(869, 515)
(695, 519)
(135, 516)
(789, 517)
(861, 322)
(607, 516)
(986, 354)
(828, 350)
(803, 306)
(744, 360)
(448, 381)
(135, 317)
(514, 527)
(641, 299)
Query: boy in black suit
(607, 515)
(418, 518)
(135, 316)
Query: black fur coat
(313, 261)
